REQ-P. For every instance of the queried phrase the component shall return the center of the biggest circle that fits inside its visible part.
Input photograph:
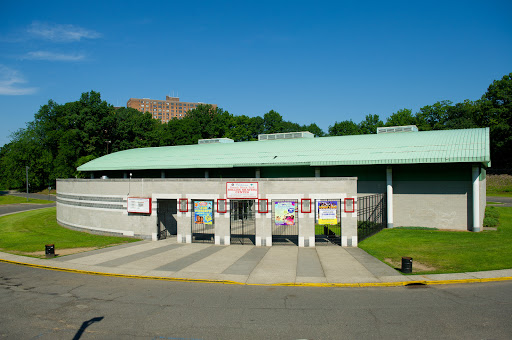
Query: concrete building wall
(101, 205)
(428, 195)
(442, 205)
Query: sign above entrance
(242, 190)
(139, 205)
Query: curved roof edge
(441, 146)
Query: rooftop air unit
(215, 140)
(394, 129)
(286, 135)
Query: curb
(287, 284)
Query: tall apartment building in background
(163, 110)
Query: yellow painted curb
(286, 284)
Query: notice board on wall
(139, 205)
(242, 190)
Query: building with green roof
(428, 178)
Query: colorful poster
(285, 212)
(327, 212)
(203, 212)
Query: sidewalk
(242, 264)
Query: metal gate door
(285, 222)
(371, 215)
(242, 222)
(203, 223)
(327, 222)
(166, 218)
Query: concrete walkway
(327, 265)
(243, 264)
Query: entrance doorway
(166, 218)
(327, 222)
(242, 222)
(285, 222)
(203, 223)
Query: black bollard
(407, 265)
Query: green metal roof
(446, 146)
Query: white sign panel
(242, 190)
(139, 205)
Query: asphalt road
(505, 201)
(43, 304)
(35, 196)
(6, 209)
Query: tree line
(63, 137)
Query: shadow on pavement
(86, 324)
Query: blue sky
(311, 61)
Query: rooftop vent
(215, 140)
(286, 135)
(394, 129)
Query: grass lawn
(17, 199)
(28, 232)
(319, 229)
(499, 185)
(499, 193)
(436, 251)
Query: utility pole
(26, 170)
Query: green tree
(465, 115)
(272, 122)
(314, 129)
(434, 117)
(496, 106)
(344, 128)
(401, 117)
(370, 124)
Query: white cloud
(45, 55)
(60, 33)
(9, 80)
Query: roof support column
(162, 174)
(476, 198)
(206, 174)
(317, 172)
(389, 192)
(257, 173)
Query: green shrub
(491, 222)
(492, 212)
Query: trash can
(406, 265)
(49, 250)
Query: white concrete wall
(442, 205)
(100, 205)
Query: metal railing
(242, 222)
(371, 215)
